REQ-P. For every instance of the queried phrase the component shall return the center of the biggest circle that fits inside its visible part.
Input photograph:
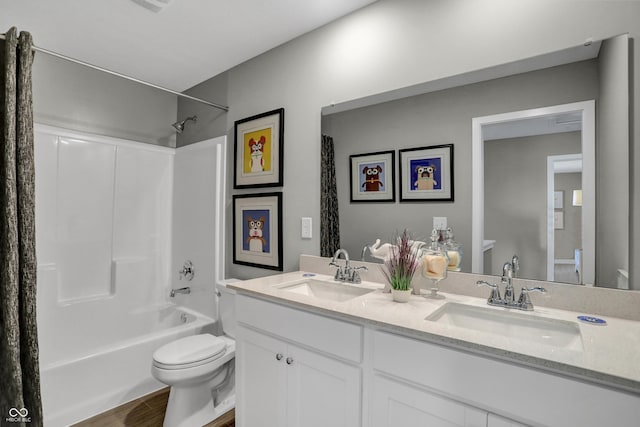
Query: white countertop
(610, 353)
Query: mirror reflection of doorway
(564, 211)
(512, 191)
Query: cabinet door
(260, 379)
(322, 391)
(394, 403)
(498, 421)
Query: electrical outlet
(440, 222)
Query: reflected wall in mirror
(442, 113)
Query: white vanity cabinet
(290, 374)
(299, 368)
(523, 395)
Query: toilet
(200, 370)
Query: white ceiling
(185, 43)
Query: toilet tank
(227, 307)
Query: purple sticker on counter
(308, 275)
(592, 320)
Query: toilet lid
(192, 350)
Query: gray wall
(75, 97)
(439, 118)
(212, 122)
(392, 44)
(515, 173)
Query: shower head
(179, 126)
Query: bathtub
(79, 384)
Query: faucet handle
(355, 276)
(495, 297)
(524, 302)
(187, 271)
(339, 273)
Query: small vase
(400, 295)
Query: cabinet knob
(279, 356)
(289, 360)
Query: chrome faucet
(515, 265)
(348, 274)
(509, 269)
(364, 252)
(185, 290)
(507, 281)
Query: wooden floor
(148, 411)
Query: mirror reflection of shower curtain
(329, 218)
(19, 370)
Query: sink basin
(513, 325)
(332, 291)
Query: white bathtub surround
(104, 241)
(103, 237)
(198, 221)
(599, 367)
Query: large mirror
(564, 115)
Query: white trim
(100, 139)
(587, 108)
(220, 146)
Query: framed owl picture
(373, 177)
(258, 150)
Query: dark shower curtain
(329, 224)
(20, 402)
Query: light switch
(306, 228)
(440, 222)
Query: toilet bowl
(200, 371)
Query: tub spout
(185, 290)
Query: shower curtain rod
(124, 76)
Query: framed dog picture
(258, 150)
(426, 173)
(257, 230)
(373, 177)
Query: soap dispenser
(454, 251)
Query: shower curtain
(20, 402)
(329, 224)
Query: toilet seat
(188, 352)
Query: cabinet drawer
(398, 404)
(513, 391)
(329, 335)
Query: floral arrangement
(403, 261)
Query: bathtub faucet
(185, 290)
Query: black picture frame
(426, 174)
(257, 230)
(259, 150)
(372, 177)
